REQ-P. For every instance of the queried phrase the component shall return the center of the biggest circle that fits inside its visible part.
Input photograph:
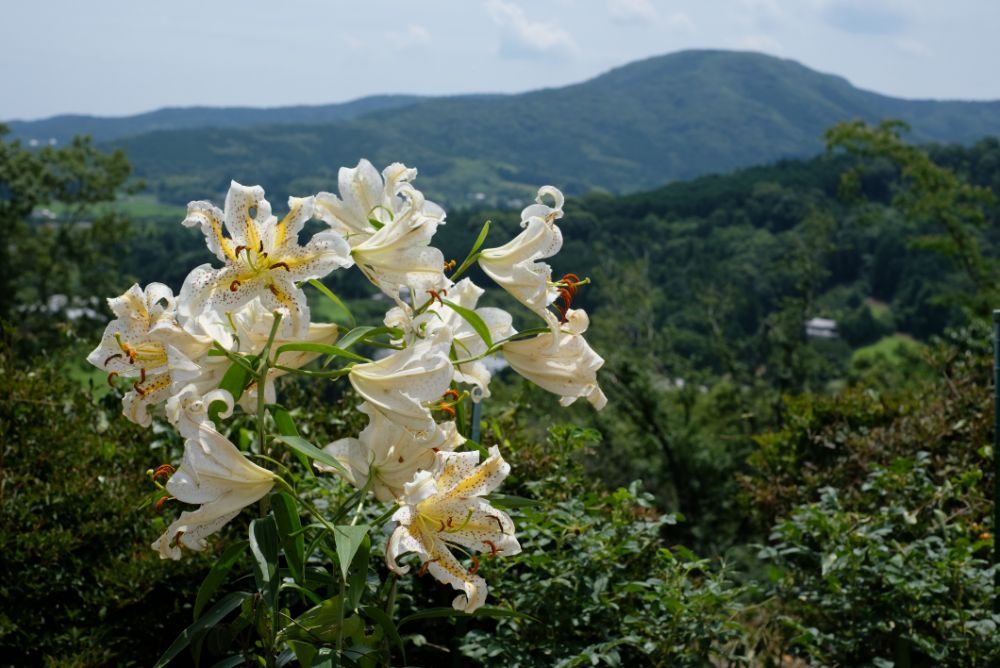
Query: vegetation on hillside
(751, 496)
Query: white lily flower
(515, 266)
(566, 366)
(388, 224)
(399, 385)
(214, 474)
(388, 454)
(368, 201)
(466, 341)
(263, 259)
(246, 331)
(144, 341)
(399, 256)
(445, 507)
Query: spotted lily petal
(444, 507)
(263, 259)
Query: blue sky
(117, 57)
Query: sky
(120, 57)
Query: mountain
(101, 128)
(638, 126)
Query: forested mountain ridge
(63, 127)
(636, 127)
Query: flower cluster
(175, 351)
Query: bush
(79, 584)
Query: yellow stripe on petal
(281, 231)
(483, 480)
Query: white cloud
(632, 11)
(873, 17)
(524, 38)
(680, 22)
(911, 47)
(414, 35)
(759, 42)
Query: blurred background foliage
(751, 495)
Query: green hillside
(636, 127)
(62, 128)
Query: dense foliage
(841, 487)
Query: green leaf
(286, 514)
(230, 661)
(319, 624)
(365, 333)
(335, 299)
(321, 348)
(509, 501)
(234, 381)
(286, 427)
(481, 238)
(388, 626)
(473, 319)
(210, 619)
(348, 539)
(217, 575)
(431, 613)
(264, 547)
(300, 444)
(473, 253)
(359, 573)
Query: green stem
(340, 619)
(263, 366)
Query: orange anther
(142, 375)
(985, 535)
(281, 264)
(110, 376)
(443, 525)
(177, 539)
(234, 286)
(499, 523)
(447, 409)
(449, 265)
(423, 568)
(452, 393)
(111, 358)
(492, 546)
(238, 250)
(141, 392)
(163, 470)
(437, 294)
(475, 565)
(163, 500)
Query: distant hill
(638, 126)
(101, 128)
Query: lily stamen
(450, 265)
(164, 470)
(437, 295)
(424, 566)
(492, 546)
(280, 264)
(465, 523)
(110, 376)
(475, 565)
(234, 286)
(111, 357)
(163, 500)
